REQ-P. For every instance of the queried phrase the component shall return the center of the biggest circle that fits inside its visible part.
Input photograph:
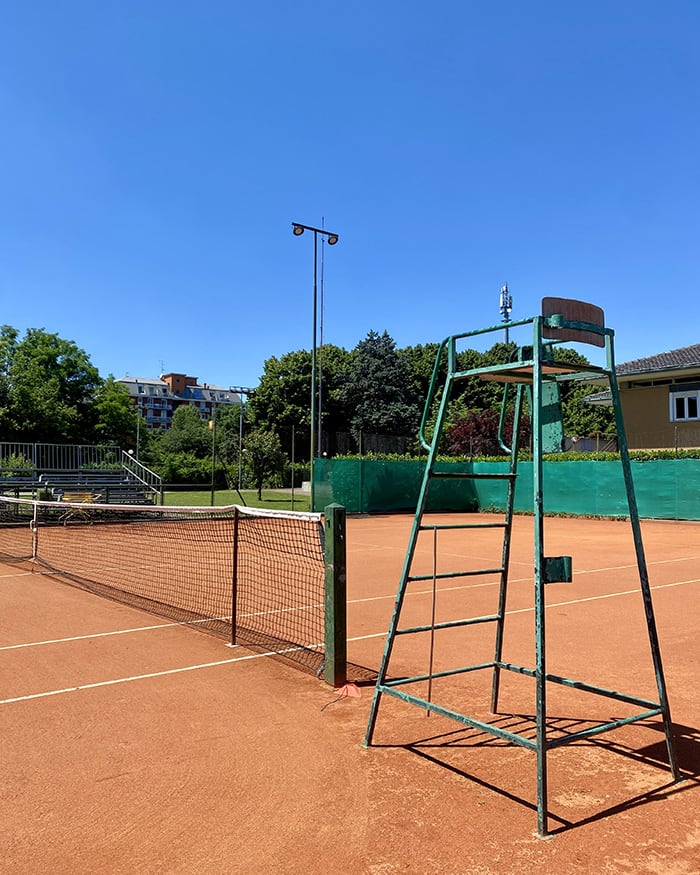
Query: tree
(472, 420)
(183, 453)
(581, 419)
(377, 389)
(263, 456)
(116, 415)
(8, 344)
(586, 420)
(188, 433)
(419, 361)
(282, 400)
(228, 441)
(477, 434)
(47, 388)
(333, 362)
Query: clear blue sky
(154, 154)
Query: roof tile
(685, 357)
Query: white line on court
(173, 671)
(376, 598)
(514, 580)
(141, 677)
(592, 598)
(96, 635)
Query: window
(684, 405)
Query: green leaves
(263, 456)
(116, 415)
(47, 388)
(377, 389)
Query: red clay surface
(134, 745)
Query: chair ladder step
(447, 575)
(445, 526)
(449, 624)
(466, 475)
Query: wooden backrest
(573, 311)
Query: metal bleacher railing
(107, 473)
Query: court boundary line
(142, 677)
(172, 671)
(530, 610)
(193, 623)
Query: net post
(335, 666)
(234, 578)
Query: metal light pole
(332, 239)
(212, 428)
(240, 391)
(138, 426)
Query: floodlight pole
(212, 428)
(138, 426)
(332, 239)
(240, 391)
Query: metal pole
(539, 581)
(240, 441)
(312, 449)
(293, 472)
(298, 230)
(138, 426)
(212, 426)
(319, 428)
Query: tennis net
(260, 578)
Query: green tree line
(50, 392)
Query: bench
(82, 513)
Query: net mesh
(256, 577)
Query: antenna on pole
(505, 306)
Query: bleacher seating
(14, 484)
(106, 487)
(48, 472)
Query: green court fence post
(335, 667)
(234, 578)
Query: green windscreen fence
(666, 489)
(375, 486)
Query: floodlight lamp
(332, 239)
(297, 230)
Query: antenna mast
(505, 306)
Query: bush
(525, 455)
(15, 464)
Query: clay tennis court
(133, 744)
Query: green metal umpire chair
(536, 376)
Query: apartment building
(157, 399)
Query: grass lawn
(222, 497)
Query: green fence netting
(666, 489)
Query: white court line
(376, 598)
(591, 598)
(108, 634)
(514, 580)
(172, 671)
(142, 677)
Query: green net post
(335, 667)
